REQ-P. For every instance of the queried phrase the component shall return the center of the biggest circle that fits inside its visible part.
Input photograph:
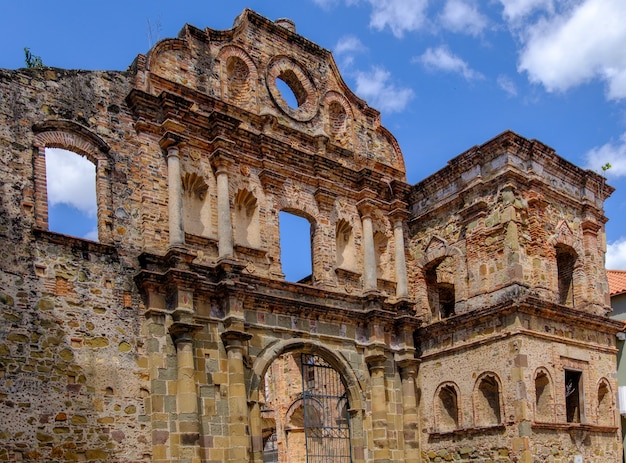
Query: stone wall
(444, 308)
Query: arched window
(71, 173)
(447, 408)
(544, 398)
(487, 401)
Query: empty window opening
(291, 89)
(488, 402)
(295, 247)
(448, 409)
(71, 189)
(573, 396)
(565, 262)
(440, 288)
(543, 397)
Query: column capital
(234, 339)
(408, 367)
(400, 212)
(171, 140)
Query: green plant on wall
(32, 61)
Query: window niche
(439, 277)
(487, 404)
(345, 245)
(196, 210)
(447, 408)
(605, 404)
(565, 262)
(543, 397)
(247, 232)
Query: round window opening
(291, 89)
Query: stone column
(376, 363)
(238, 420)
(402, 290)
(224, 224)
(174, 196)
(410, 422)
(187, 400)
(369, 253)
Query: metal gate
(326, 417)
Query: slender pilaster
(397, 217)
(174, 196)
(369, 253)
(224, 223)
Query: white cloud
(463, 16)
(442, 59)
(325, 4)
(616, 254)
(374, 86)
(348, 44)
(399, 15)
(612, 153)
(71, 180)
(578, 45)
(507, 84)
(92, 235)
(516, 10)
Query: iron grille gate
(326, 426)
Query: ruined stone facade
(459, 319)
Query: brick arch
(438, 249)
(163, 47)
(341, 130)
(354, 388)
(563, 235)
(249, 91)
(73, 137)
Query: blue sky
(445, 74)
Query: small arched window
(447, 408)
(543, 397)
(487, 401)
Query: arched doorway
(304, 411)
